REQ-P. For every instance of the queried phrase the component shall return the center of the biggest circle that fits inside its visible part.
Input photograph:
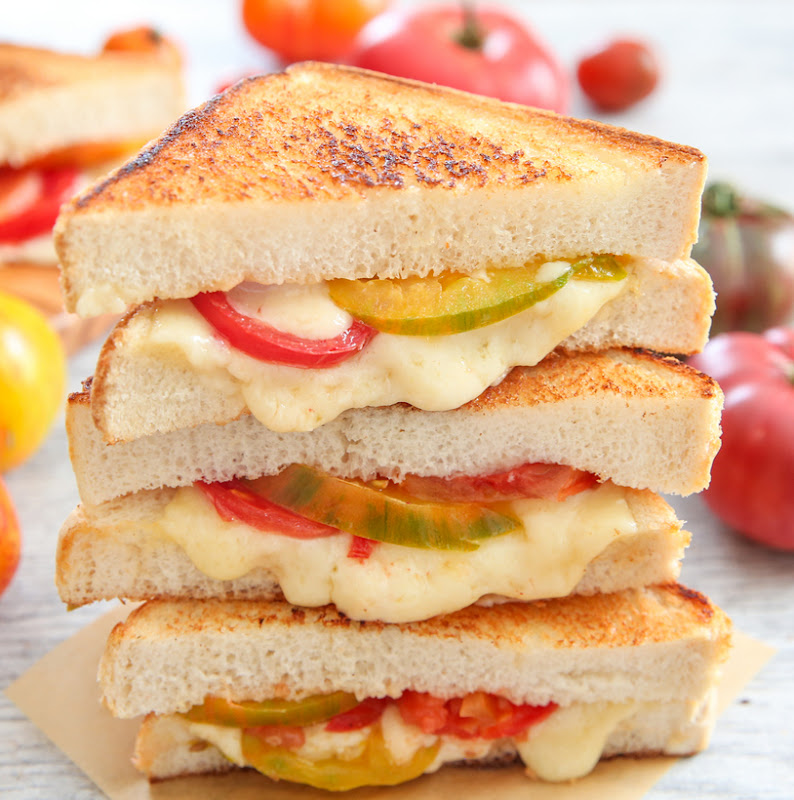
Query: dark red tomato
(426, 712)
(30, 200)
(620, 75)
(752, 479)
(235, 502)
(479, 715)
(365, 713)
(547, 481)
(262, 341)
(485, 52)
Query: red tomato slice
(234, 502)
(361, 548)
(25, 213)
(262, 341)
(426, 712)
(477, 716)
(544, 481)
(365, 713)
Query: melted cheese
(434, 373)
(569, 743)
(565, 746)
(399, 584)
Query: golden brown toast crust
(629, 373)
(638, 617)
(27, 69)
(319, 131)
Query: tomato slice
(235, 502)
(476, 716)
(365, 713)
(308, 711)
(384, 514)
(374, 767)
(361, 548)
(27, 213)
(454, 303)
(544, 481)
(266, 343)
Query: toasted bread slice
(327, 171)
(52, 103)
(640, 420)
(151, 545)
(657, 644)
(164, 367)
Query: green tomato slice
(374, 767)
(454, 303)
(310, 710)
(382, 514)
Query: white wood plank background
(728, 89)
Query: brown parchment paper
(60, 695)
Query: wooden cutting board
(39, 285)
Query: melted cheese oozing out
(434, 373)
(569, 742)
(565, 746)
(399, 584)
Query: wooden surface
(729, 90)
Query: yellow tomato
(32, 379)
(9, 539)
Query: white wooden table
(729, 90)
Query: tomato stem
(471, 37)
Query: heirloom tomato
(752, 479)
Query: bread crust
(641, 420)
(52, 101)
(655, 644)
(279, 168)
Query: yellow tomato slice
(374, 767)
(454, 303)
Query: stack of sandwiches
(66, 119)
(380, 437)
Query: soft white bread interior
(52, 101)
(118, 550)
(152, 378)
(168, 747)
(643, 421)
(657, 645)
(280, 168)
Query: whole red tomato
(485, 52)
(300, 30)
(621, 74)
(9, 538)
(752, 480)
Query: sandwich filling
(300, 355)
(376, 551)
(31, 196)
(334, 742)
